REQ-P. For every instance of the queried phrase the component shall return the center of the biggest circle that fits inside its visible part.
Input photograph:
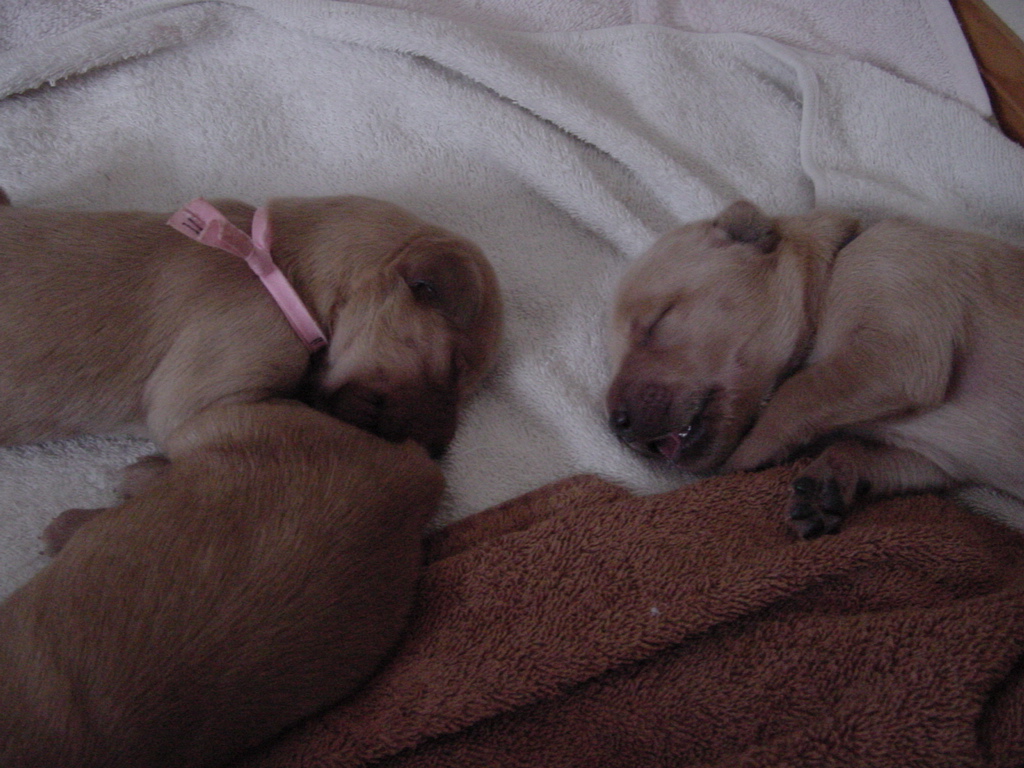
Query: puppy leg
(137, 477)
(850, 469)
(58, 533)
(866, 382)
(208, 367)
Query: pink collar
(205, 224)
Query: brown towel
(581, 626)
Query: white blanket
(562, 154)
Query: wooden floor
(1000, 56)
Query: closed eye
(445, 280)
(647, 331)
(425, 291)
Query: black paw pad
(817, 507)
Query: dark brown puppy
(263, 575)
(115, 318)
(742, 339)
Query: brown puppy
(742, 339)
(114, 318)
(261, 577)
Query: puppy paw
(817, 506)
(827, 489)
(58, 533)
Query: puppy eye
(652, 327)
(424, 291)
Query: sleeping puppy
(900, 349)
(262, 575)
(109, 319)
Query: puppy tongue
(670, 445)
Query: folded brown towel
(581, 626)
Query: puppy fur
(740, 340)
(263, 574)
(110, 319)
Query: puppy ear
(440, 276)
(4, 199)
(744, 222)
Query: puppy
(264, 573)
(109, 319)
(900, 349)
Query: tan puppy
(739, 340)
(261, 577)
(114, 318)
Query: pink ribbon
(205, 224)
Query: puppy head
(708, 322)
(413, 312)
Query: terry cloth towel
(563, 155)
(579, 625)
(919, 40)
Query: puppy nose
(639, 410)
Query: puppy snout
(639, 411)
(358, 405)
(424, 414)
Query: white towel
(918, 40)
(562, 154)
